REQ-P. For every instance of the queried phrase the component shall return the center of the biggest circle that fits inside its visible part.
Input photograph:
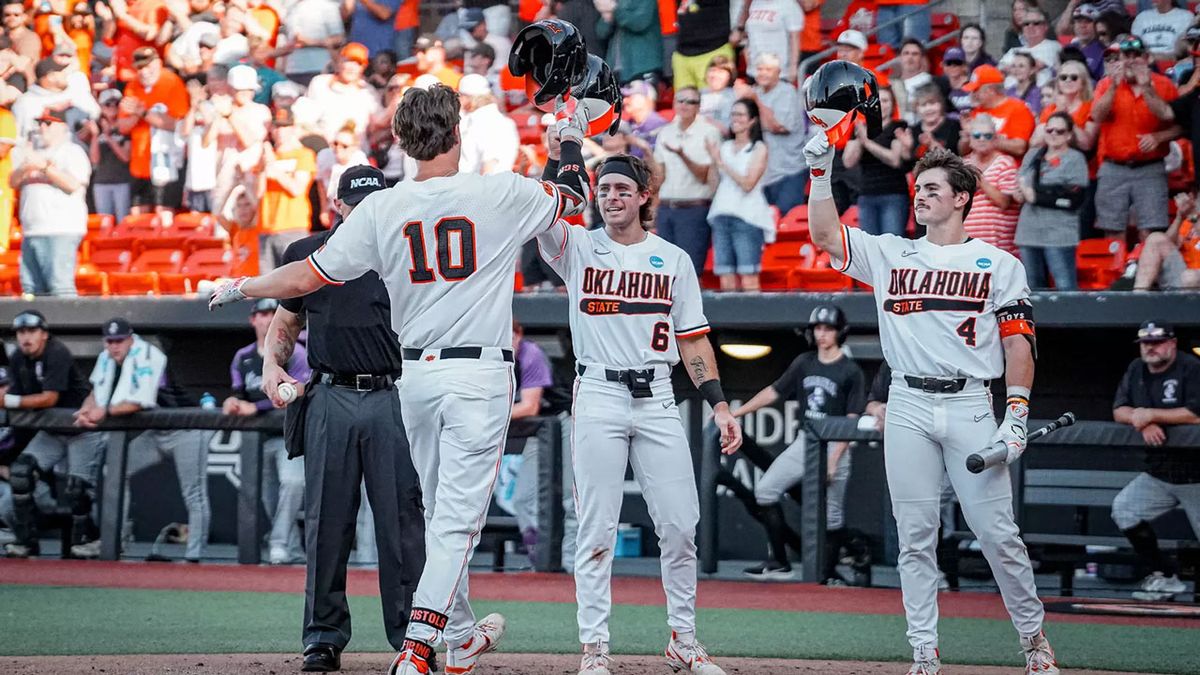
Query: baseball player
(954, 313)
(445, 245)
(826, 382)
(636, 313)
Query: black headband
(624, 167)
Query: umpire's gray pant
(1147, 498)
(188, 449)
(351, 435)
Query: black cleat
(322, 659)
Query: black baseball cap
(45, 67)
(264, 305)
(30, 318)
(359, 181)
(1155, 330)
(116, 328)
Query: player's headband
(624, 167)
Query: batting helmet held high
(839, 94)
(551, 56)
(827, 315)
(600, 96)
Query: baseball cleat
(690, 657)
(926, 661)
(770, 571)
(595, 659)
(1158, 588)
(413, 659)
(15, 550)
(461, 660)
(1039, 657)
(88, 550)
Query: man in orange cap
(344, 96)
(1014, 121)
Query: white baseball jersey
(629, 303)
(937, 304)
(446, 248)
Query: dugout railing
(251, 525)
(1059, 469)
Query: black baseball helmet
(838, 95)
(827, 315)
(551, 56)
(600, 96)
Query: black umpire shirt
(349, 326)
(1176, 387)
(829, 389)
(54, 370)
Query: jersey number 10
(455, 238)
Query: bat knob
(975, 463)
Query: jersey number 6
(660, 339)
(456, 232)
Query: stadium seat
(169, 241)
(10, 281)
(192, 224)
(10, 258)
(107, 242)
(100, 222)
(193, 244)
(111, 260)
(207, 263)
(141, 224)
(133, 283)
(158, 260)
(817, 275)
(90, 281)
(1099, 263)
(794, 225)
(876, 55)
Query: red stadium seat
(142, 224)
(10, 281)
(111, 260)
(174, 284)
(817, 275)
(1099, 263)
(133, 283)
(89, 281)
(97, 242)
(208, 263)
(100, 222)
(192, 224)
(10, 258)
(171, 241)
(158, 260)
(193, 244)
(794, 226)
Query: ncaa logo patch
(656, 262)
(983, 263)
(371, 181)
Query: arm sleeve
(856, 398)
(1010, 284)
(351, 251)
(687, 309)
(1124, 395)
(572, 180)
(785, 384)
(236, 382)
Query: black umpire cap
(116, 328)
(30, 318)
(359, 181)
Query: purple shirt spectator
(245, 374)
(533, 367)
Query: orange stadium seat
(794, 226)
(1099, 263)
(817, 275)
(133, 283)
(158, 260)
(100, 222)
(10, 281)
(192, 224)
(111, 260)
(170, 240)
(141, 224)
(93, 243)
(208, 263)
(193, 244)
(90, 281)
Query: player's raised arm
(568, 173)
(823, 222)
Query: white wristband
(1014, 390)
(820, 188)
(12, 400)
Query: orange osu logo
(430, 357)
(549, 190)
(818, 172)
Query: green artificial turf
(38, 620)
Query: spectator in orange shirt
(1013, 121)
(408, 22)
(1171, 259)
(431, 59)
(810, 35)
(285, 212)
(1073, 94)
(1133, 107)
(997, 203)
(138, 24)
(153, 86)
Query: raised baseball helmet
(552, 58)
(600, 96)
(839, 94)
(827, 315)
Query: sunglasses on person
(689, 101)
(1132, 46)
(1057, 131)
(1068, 77)
(983, 135)
(954, 63)
(1033, 22)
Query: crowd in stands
(146, 145)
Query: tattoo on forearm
(285, 344)
(699, 370)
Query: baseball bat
(995, 455)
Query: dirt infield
(495, 664)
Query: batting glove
(570, 119)
(818, 153)
(228, 293)
(1011, 432)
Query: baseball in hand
(287, 392)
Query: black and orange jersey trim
(695, 331)
(316, 267)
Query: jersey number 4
(455, 239)
(966, 330)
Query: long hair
(756, 134)
(426, 120)
(961, 176)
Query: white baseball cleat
(926, 661)
(595, 659)
(461, 660)
(408, 663)
(690, 657)
(1039, 657)
(1158, 588)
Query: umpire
(346, 421)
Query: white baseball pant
(456, 414)
(613, 429)
(925, 436)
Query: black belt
(683, 203)
(357, 381)
(1134, 164)
(410, 354)
(638, 381)
(936, 385)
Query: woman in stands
(972, 39)
(934, 128)
(740, 217)
(717, 97)
(1053, 182)
(883, 201)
